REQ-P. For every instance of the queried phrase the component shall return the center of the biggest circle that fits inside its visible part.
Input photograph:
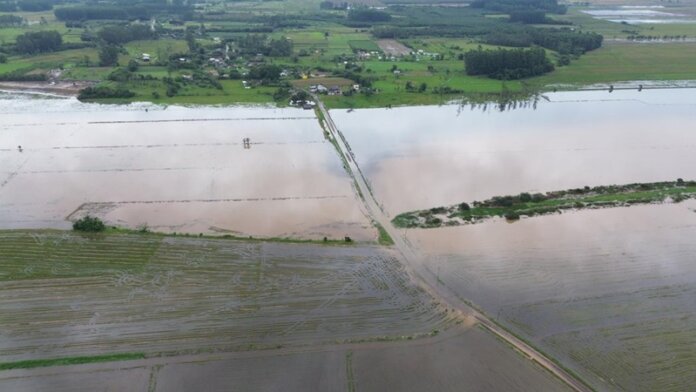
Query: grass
(512, 207)
(384, 238)
(627, 61)
(36, 363)
(364, 45)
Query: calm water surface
(173, 169)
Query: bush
(525, 197)
(3, 58)
(464, 207)
(104, 92)
(512, 216)
(89, 224)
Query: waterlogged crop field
(462, 356)
(64, 295)
(174, 169)
(610, 293)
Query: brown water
(173, 169)
(612, 292)
(421, 157)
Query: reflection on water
(420, 157)
(610, 291)
(173, 169)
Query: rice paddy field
(468, 356)
(66, 295)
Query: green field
(323, 46)
(627, 61)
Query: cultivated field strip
(62, 295)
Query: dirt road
(424, 277)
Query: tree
(368, 15)
(89, 224)
(35, 5)
(11, 20)
(507, 64)
(3, 58)
(108, 55)
(265, 72)
(37, 42)
(423, 86)
(133, 65)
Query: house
(356, 87)
(334, 90)
(318, 88)
(146, 57)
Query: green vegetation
(35, 363)
(100, 92)
(507, 63)
(89, 224)
(37, 42)
(525, 204)
(384, 238)
(260, 52)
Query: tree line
(507, 64)
(26, 5)
(564, 41)
(508, 6)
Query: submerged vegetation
(526, 204)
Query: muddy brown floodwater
(608, 292)
(422, 157)
(174, 169)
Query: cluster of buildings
(332, 90)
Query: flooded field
(422, 157)
(610, 292)
(173, 169)
(470, 357)
(64, 295)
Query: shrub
(89, 224)
(512, 216)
